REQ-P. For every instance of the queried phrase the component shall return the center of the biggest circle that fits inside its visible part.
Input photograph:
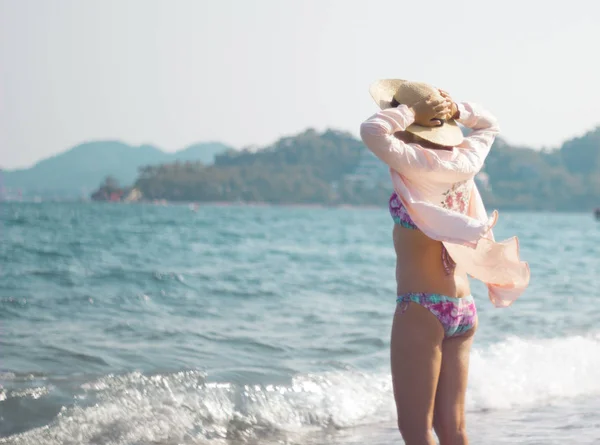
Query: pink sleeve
(476, 146)
(377, 133)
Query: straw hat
(408, 93)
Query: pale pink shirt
(437, 188)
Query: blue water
(142, 324)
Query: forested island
(335, 168)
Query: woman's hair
(394, 103)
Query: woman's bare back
(419, 266)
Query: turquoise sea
(144, 324)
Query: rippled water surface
(157, 324)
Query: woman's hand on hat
(454, 110)
(431, 111)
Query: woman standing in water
(441, 235)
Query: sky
(247, 72)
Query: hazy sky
(246, 72)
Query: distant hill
(80, 169)
(203, 152)
(335, 168)
(330, 168)
(566, 179)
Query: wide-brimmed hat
(406, 92)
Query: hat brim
(448, 134)
(383, 91)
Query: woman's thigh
(449, 415)
(416, 358)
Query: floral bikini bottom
(457, 315)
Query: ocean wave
(186, 407)
(525, 372)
